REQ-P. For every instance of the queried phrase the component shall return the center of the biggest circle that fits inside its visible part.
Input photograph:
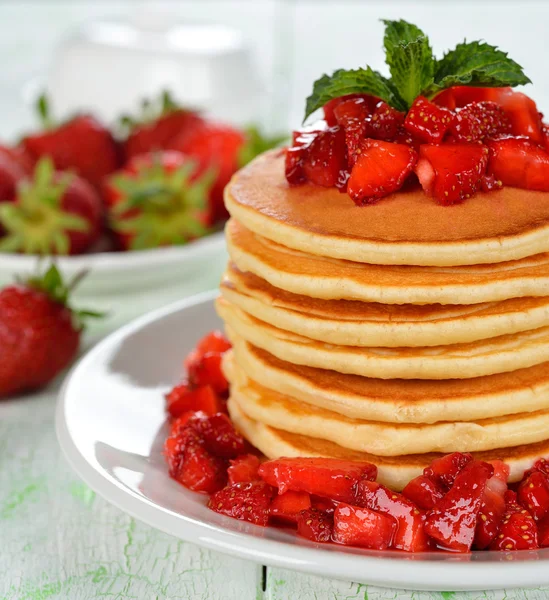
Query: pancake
(354, 323)
(399, 400)
(405, 228)
(332, 279)
(394, 472)
(456, 361)
(385, 439)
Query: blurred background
(245, 60)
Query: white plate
(110, 424)
(128, 284)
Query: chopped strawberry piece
(329, 107)
(381, 168)
(453, 520)
(206, 370)
(287, 506)
(219, 435)
(523, 115)
(386, 122)
(460, 96)
(353, 116)
(244, 501)
(410, 535)
(423, 492)
(354, 526)
(213, 342)
(518, 529)
(490, 516)
(543, 533)
(315, 525)
(244, 469)
(328, 477)
(452, 172)
(542, 465)
(182, 399)
(324, 504)
(325, 160)
(427, 121)
(179, 424)
(443, 471)
(533, 494)
(479, 120)
(520, 163)
(295, 155)
(193, 466)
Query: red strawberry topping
(519, 162)
(423, 492)
(386, 122)
(244, 469)
(353, 116)
(451, 173)
(518, 529)
(478, 120)
(427, 121)
(182, 399)
(381, 168)
(443, 471)
(287, 506)
(533, 494)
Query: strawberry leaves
(410, 59)
(478, 64)
(416, 72)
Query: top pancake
(406, 228)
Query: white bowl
(127, 284)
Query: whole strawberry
(155, 128)
(158, 199)
(53, 213)
(225, 149)
(81, 144)
(39, 332)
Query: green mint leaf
(477, 64)
(342, 82)
(410, 59)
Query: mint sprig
(415, 71)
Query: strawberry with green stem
(39, 331)
(158, 199)
(53, 213)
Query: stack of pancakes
(392, 333)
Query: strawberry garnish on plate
(380, 169)
(39, 331)
(315, 525)
(492, 506)
(158, 199)
(518, 530)
(286, 507)
(244, 469)
(533, 494)
(329, 477)
(444, 470)
(451, 173)
(519, 162)
(410, 535)
(244, 501)
(354, 526)
(423, 492)
(183, 398)
(53, 213)
(157, 125)
(452, 522)
(81, 144)
(427, 121)
(353, 117)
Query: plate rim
(397, 570)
